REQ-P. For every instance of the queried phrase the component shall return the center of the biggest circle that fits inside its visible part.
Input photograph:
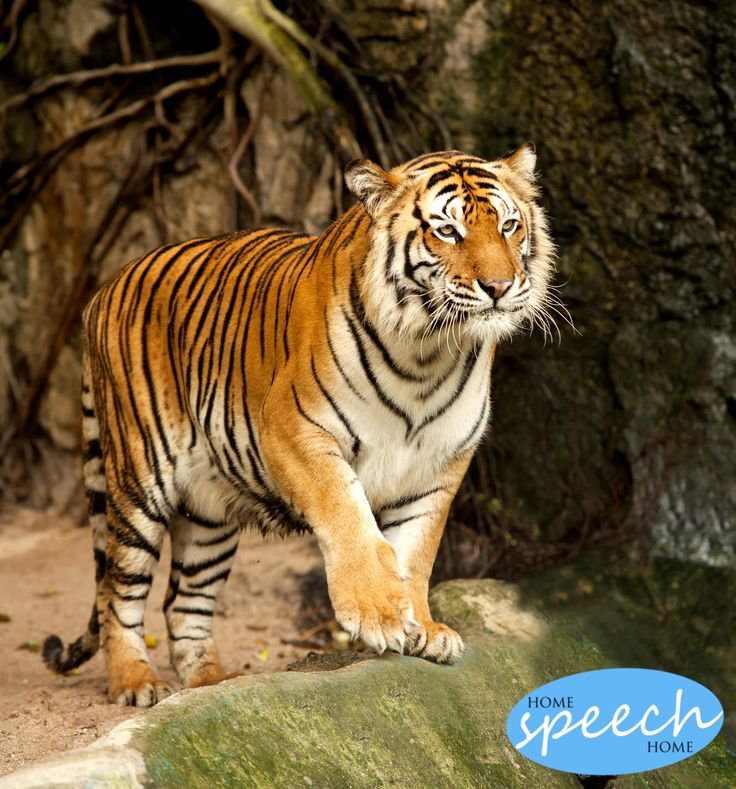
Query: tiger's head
(458, 244)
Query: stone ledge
(388, 721)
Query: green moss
(398, 721)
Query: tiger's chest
(405, 443)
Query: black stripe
(417, 214)
(208, 581)
(430, 390)
(467, 371)
(362, 216)
(410, 499)
(480, 422)
(97, 501)
(370, 375)
(192, 569)
(129, 579)
(401, 521)
(340, 369)
(292, 294)
(94, 622)
(147, 374)
(438, 177)
(199, 520)
(128, 535)
(369, 329)
(336, 408)
(446, 190)
(188, 593)
(477, 172)
(217, 540)
(92, 450)
(87, 413)
(304, 414)
(100, 564)
(131, 626)
(185, 610)
(263, 287)
(391, 252)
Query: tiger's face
(459, 242)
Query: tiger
(337, 384)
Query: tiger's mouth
(486, 311)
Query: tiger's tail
(56, 656)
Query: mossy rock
(394, 721)
(385, 721)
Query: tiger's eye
(446, 230)
(509, 226)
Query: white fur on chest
(395, 461)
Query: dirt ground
(47, 586)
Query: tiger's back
(163, 340)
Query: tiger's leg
(416, 538)
(365, 588)
(135, 534)
(202, 554)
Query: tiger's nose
(496, 287)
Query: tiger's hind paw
(139, 686)
(145, 695)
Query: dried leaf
(4, 618)
(30, 646)
(263, 654)
(341, 639)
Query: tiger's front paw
(437, 642)
(374, 606)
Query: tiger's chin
(494, 325)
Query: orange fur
(337, 383)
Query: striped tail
(55, 655)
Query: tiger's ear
(371, 184)
(522, 161)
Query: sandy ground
(47, 585)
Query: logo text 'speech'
(614, 721)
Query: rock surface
(389, 721)
(632, 108)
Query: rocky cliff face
(631, 104)
(632, 107)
